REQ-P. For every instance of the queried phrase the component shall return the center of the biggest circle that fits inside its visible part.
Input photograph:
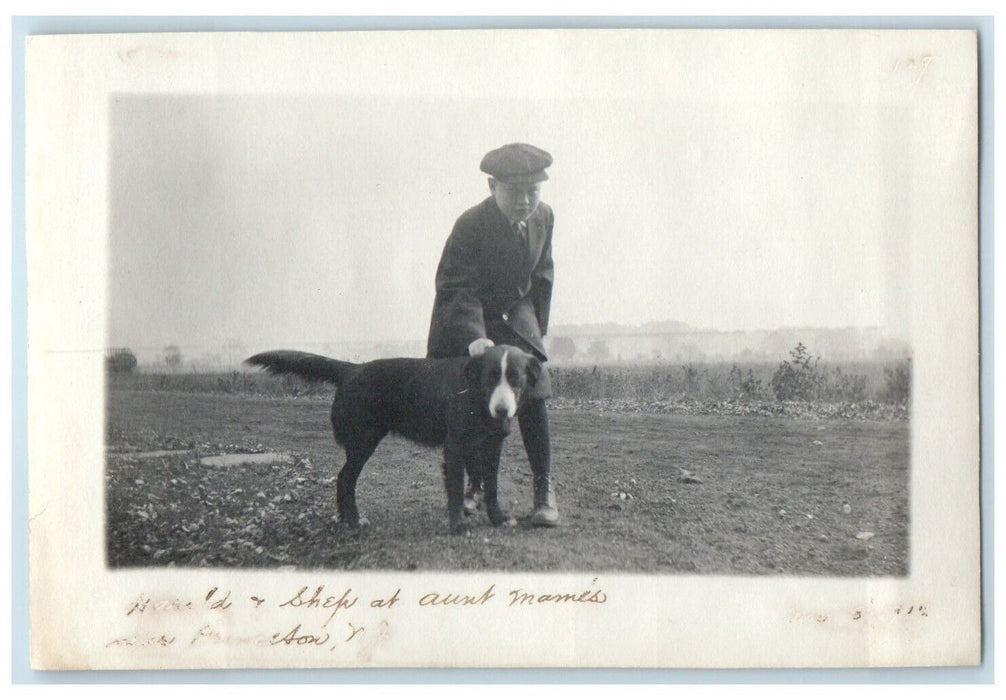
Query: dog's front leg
(454, 482)
(490, 466)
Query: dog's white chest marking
(503, 397)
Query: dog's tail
(304, 364)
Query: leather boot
(545, 513)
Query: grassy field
(657, 483)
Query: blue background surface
(23, 27)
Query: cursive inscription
(336, 603)
(305, 617)
(520, 596)
(431, 599)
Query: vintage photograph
(721, 373)
(595, 334)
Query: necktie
(520, 228)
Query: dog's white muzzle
(503, 400)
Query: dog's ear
(472, 370)
(533, 370)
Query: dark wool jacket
(489, 285)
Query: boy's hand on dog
(479, 346)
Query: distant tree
(120, 361)
(898, 383)
(799, 378)
(751, 387)
(563, 348)
(173, 357)
(690, 379)
(599, 350)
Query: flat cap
(517, 163)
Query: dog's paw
(353, 525)
(459, 527)
(500, 519)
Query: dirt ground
(637, 492)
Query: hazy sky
(280, 218)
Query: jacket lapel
(504, 240)
(536, 239)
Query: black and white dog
(465, 404)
